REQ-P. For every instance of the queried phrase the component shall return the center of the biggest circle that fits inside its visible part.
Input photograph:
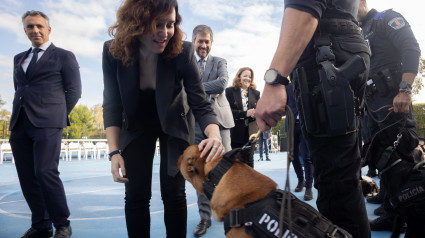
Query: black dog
(405, 183)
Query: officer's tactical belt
(338, 26)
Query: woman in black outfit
(243, 97)
(146, 67)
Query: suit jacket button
(182, 114)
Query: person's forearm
(409, 78)
(212, 130)
(297, 30)
(113, 137)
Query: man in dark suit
(214, 78)
(47, 86)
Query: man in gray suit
(214, 77)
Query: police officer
(393, 67)
(307, 27)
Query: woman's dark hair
(137, 17)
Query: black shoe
(63, 232)
(267, 159)
(308, 195)
(261, 159)
(33, 233)
(201, 228)
(379, 211)
(378, 198)
(383, 223)
(300, 186)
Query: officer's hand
(271, 106)
(402, 102)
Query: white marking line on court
(72, 219)
(68, 194)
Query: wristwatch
(113, 153)
(273, 77)
(405, 85)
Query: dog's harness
(261, 218)
(413, 191)
(266, 217)
(215, 175)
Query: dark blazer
(179, 93)
(51, 92)
(239, 115)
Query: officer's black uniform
(336, 158)
(394, 51)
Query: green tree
(81, 120)
(419, 113)
(97, 112)
(418, 84)
(4, 120)
(2, 102)
(280, 127)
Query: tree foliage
(97, 112)
(2, 102)
(418, 84)
(419, 113)
(81, 120)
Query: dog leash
(287, 190)
(286, 196)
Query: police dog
(240, 185)
(406, 187)
(369, 186)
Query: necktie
(33, 62)
(201, 66)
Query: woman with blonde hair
(243, 97)
(151, 88)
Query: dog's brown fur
(240, 185)
(369, 186)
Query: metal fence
(75, 131)
(96, 131)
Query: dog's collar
(215, 175)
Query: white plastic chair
(64, 152)
(89, 147)
(101, 146)
(5, 149)
(273, 144)
(157, 148)
(74, 147)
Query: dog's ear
(191, 168)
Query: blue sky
(245, 33)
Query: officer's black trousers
(336, 159)
(336, 163)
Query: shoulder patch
(397, 23)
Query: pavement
(96, 202)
